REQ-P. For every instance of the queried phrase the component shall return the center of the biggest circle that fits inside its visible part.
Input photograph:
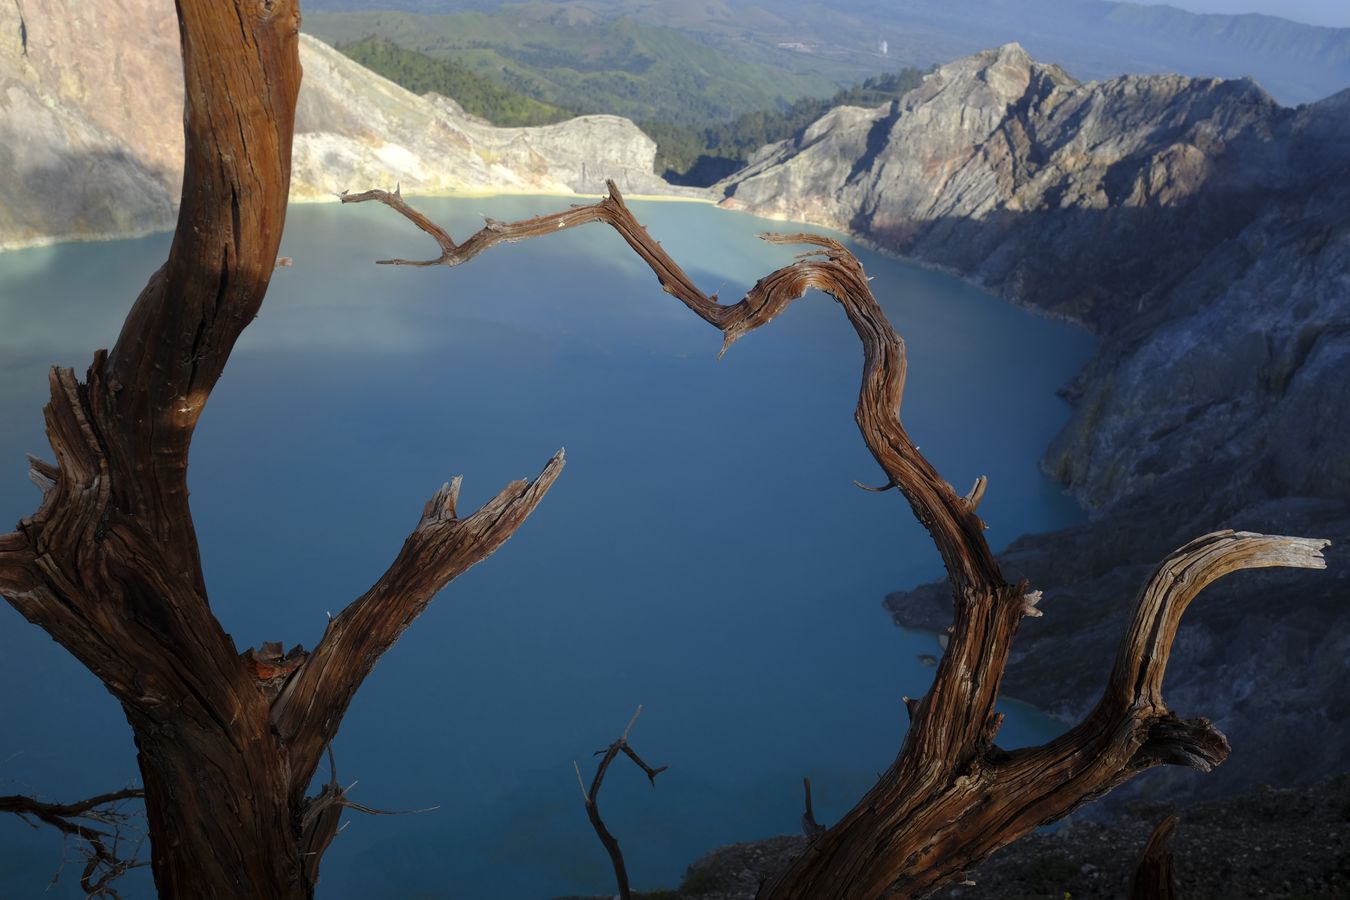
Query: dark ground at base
(1265, 842)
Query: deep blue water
(705, 553)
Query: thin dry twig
(98, 823)
(592, 797)
(952, 796)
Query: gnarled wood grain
(109, 563)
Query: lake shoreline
(922, 623)
(710, 200)
(168, 227)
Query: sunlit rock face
(1204, 232)
(1009, 169)
(91, 141)
(355, 130)
(1197, 224)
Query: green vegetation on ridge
(702, 156)
(479, 96)
(697, 151)
(612, 65)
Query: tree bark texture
(109, 564)
(1154, 878)
(952, 796)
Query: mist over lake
(705, 553)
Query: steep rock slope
(1201, 227)
(1204, 232)
(91, 140)
(355, 129)
(70, 161)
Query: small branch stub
(1154, 877)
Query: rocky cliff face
(1203, 229)
(91, 134)
(355, 129)
(1204, 232)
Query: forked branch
(109, 564)
(592, 800)
(952, 796)
(307, 712)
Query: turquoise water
(705, 553)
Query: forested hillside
(480, 96)
(615, 66)
(1092, 39)
(700, 156)
(691, 152)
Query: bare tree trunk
(109, 564)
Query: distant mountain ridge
(91, 133)
(1093, 39)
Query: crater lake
(705, 553)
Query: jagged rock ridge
(91, 135)
(1197, 224)
(1204, 231)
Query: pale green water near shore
(704, 553)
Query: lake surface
(742, 610)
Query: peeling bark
(952, 796)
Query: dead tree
(109, 566)
(952, 796)
(228, 743)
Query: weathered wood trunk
(221, 820)
(109, 564)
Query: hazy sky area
(1314, 12)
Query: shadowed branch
(97, 822)
(591, 797)
(1153, 877)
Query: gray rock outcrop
(1204, 232)
(91, 140)
(1203, 229)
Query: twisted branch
(952, 796)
